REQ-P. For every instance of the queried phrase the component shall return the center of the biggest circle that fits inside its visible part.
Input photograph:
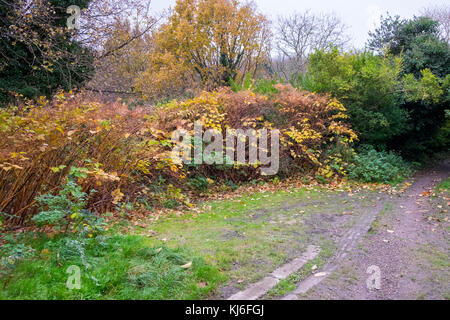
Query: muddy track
(345, 246)
(395, 248)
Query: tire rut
(345, 245)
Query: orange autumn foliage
(205, 43)
(126, 152)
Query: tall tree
(442, 15)
(301, 34)
(209, 42)
(100, 20)
(368, 86)
(425, 69)
(417, 40)
(38, 52)
(118, 65)
(119, 32)
(385, 37)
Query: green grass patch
(443, 186)
(246, 238)
(116, 267)
(230, 242)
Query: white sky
(360, 15)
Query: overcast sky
(359, 15)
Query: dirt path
(403, 240)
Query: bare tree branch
(442, 15)
(300, 34)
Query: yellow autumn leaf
(117, 195)
(60, 129)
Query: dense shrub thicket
(369, 87)
(119, 156)
(386, 109)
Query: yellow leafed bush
(125, 151)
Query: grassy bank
(186, 255)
